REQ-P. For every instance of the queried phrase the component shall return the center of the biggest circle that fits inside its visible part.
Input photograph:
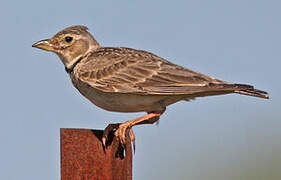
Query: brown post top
(84, 158)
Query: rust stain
(84, 158)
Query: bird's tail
(250, 91)
(244, 89)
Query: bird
(122, 79)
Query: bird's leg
(121, 129)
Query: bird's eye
(68, 39)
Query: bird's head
(70, 44)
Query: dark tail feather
(250, 91)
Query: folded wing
(124, 70)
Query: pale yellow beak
(44, 44)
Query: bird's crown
(78, 29)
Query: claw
(107, 131)
(104, 138)
(132, 137)
(121, 134)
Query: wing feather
(124, 70)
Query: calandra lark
(128, 80)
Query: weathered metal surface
(84, 158)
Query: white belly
(119, 102)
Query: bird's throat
(69, 69)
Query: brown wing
(124, 70)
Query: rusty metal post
(83, 156)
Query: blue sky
(222, 137)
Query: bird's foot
(110, 128)
(120, 131)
